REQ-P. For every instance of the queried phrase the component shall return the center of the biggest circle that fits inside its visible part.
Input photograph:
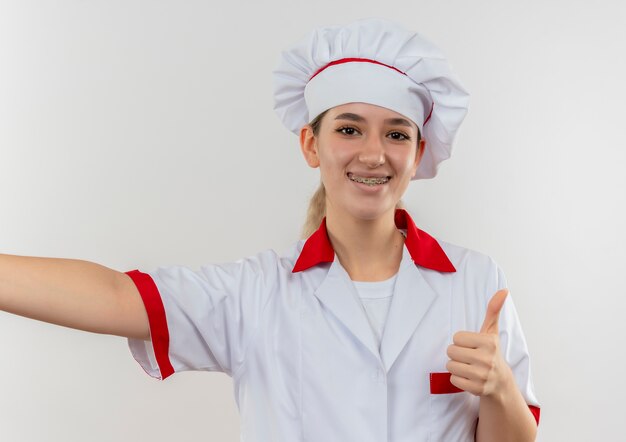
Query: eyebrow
(359, 119)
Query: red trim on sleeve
(440, 384)
(536, 411)
(156, 317)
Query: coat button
(378, 375)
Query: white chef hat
(377, 62)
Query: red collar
(423, 248)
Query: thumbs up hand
(476, 364)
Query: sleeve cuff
(153, 356)
(440, 384)
(536, 411)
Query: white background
(141, 133)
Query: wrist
(505, 389)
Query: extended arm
(73, 293)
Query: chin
(370, 213)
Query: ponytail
(316, 211)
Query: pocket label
(440, 384)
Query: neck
(369, 250)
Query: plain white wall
(141, 133)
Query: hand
(476, 364)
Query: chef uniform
(309, 359)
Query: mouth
(370, 181)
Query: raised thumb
(490, 324)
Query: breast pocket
(453, 412)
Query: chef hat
(377, 62)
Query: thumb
(490, 324)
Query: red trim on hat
(159, 333)
(369, 60)
(350, 60)
(432, 106)
(423, 248)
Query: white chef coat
(291, 333)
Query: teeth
(369, 181)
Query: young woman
(368, 330)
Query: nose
(373, 152)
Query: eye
(347, 130)
(399, 136)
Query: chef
(370, 329)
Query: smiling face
(367, 156)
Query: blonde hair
(317, 205)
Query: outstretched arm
(73, 293)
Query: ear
(420, 153)
(308, 145)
